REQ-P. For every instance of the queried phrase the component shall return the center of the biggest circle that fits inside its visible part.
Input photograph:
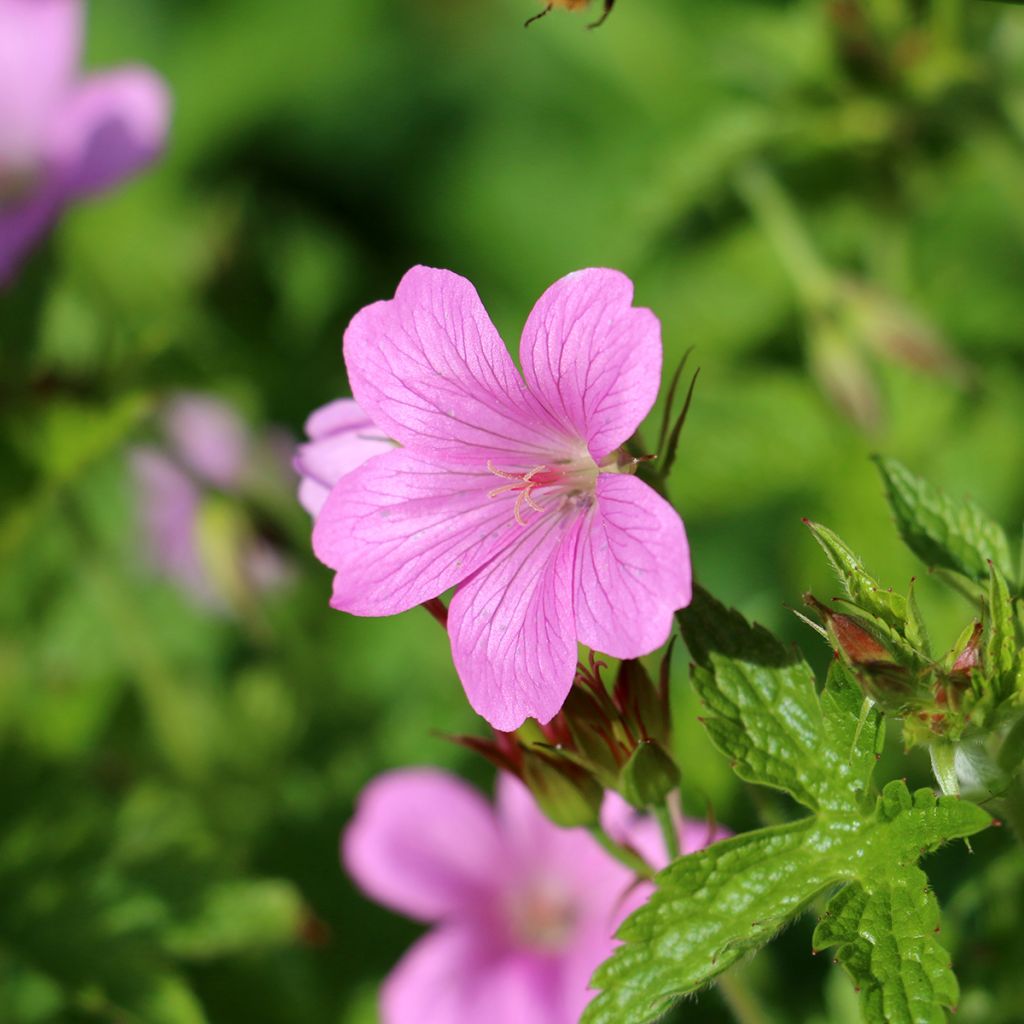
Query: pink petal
(209, 436)
(343, 438)
(633, 569)
(511, 626)
(592, 359)
(405, 527)
(456, 975)
(533, 844)
(341, 414)
(39, 47)
(22, 225)
(423, 843)
(642, 832)
(429, 369)
(110, 127)
(168, 504)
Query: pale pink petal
(511, 626)
(405, 527)
(22, 225)
(633, 569)
(457, 975)
(429, 369)
(111, 126)
(168, 507)
(642, 832)
(534, 844)
(312, 495)
(340, 414)
(209, 437)
(592, 358)
(39, 47)
(423, 843)
(343, 438)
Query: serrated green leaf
(943, 531)
(764, 712)
(886, 940)
(715, 906)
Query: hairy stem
(739, 997)
(668, 830)
(622, 854)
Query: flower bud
(638, 701)
(881, 677)
(565, 793)
(648, 776)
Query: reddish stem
(438, 610)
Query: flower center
(16, 182)
(543, 917)
(567, 479)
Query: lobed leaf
(713, 907)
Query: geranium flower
(524, 911)
(515, 488)
(210, 450)
(341, 438)
(63, 137)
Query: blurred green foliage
(824, 198)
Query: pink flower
(515, 490)
(524, 910)
(341, 438)
(61, 137)
(210, 449)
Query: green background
(824, 199)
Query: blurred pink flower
(210, 448)
(341, 438)
(63, 137)
(515, 490)
(524, 911)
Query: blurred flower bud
(566, 794)
(893, 331)
(842, 372)
(197, 514)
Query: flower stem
(1013, 807)
(668, 830)
(739, 997)
(437, 610)
(780, 220)
(622, 854)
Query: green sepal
(648, 776)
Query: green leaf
(715, 906)
(944, 532)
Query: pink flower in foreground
(512, 487)
(524, 911)
(63, 137)
(341, 438)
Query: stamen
(523, 483)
